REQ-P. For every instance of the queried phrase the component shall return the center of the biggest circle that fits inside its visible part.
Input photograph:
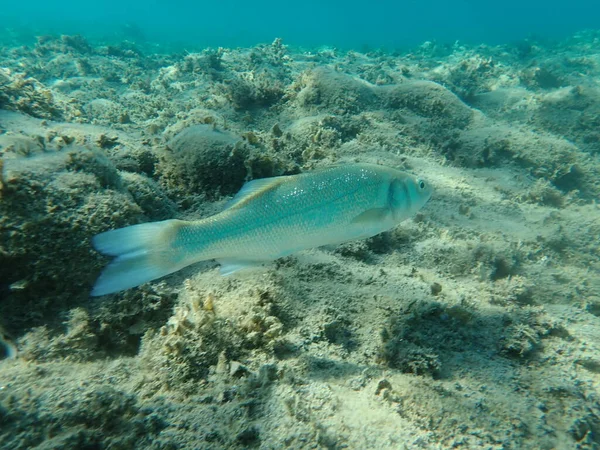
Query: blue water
(343, 24)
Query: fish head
(407, 195)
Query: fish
(267, 219)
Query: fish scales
(293, 214)
(267, 219)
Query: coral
(190, 343)
(20, 145)
(429, 100)
(253, 90)
(410, 358)
(472, 74)
(409, 345)
(573, 112)
(21, 93)
(274, 56)
(565, 166)
(124, 49)
(204, 159)
(50, 206)
(525, 331)
(195, 340)
(541, 78)
(101, 109)
(208, 62)
(495, 264)
(75, 416)
(521, 340)
(48, 44)
(149, 196)
(543, 193)
(78, 343)
(515, 290)
(282, 356)
(324, 88)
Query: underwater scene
(299, 226)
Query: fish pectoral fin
(229, 266)
(372, 216)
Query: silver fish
(268, 219)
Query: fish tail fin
(141, 253)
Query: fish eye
(421, 184)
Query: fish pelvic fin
(141, 253)
(230, 266)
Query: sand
(476, 324)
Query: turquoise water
(343, 24)
(475, 325)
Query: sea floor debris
(475, 325)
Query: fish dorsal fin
(253, 189)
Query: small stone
(252, 138)
(276, 130)
(105, 141)
(250, 436)
(464, 210)
(124, 118)
(436, 288)
(283, 349)
(383, 384)
(211, 436)
(227, 395)
(592, 305)
(268, 373)
(237, 369)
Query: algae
(474, 325)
